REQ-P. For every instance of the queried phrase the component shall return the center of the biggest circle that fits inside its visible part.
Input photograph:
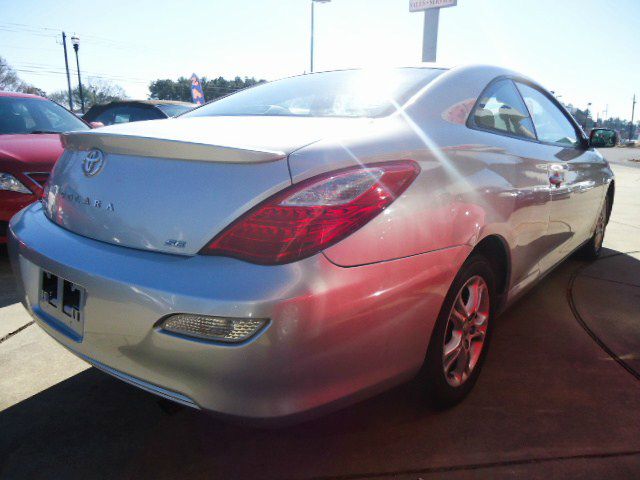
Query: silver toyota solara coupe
(308, 242)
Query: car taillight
(312, 215)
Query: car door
(507, 130)
(575, 183)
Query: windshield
(19, 115)
(348, 93)
(172, 110)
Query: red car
(29, 146)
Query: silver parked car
(311, 241)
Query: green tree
(171, 90)
(180, 89)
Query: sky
(584, 50)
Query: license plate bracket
(63, 303)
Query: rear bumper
(336, 334)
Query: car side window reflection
(552, 126)
(500, 109)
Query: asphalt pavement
(559, 397)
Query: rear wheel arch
(494, 248)
(611, 192)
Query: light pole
(633, 112)
(76, 45)
(313, 5)
(586, 116)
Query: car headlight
(12, 184)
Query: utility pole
(66, 64)
(633, 111)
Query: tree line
(180, 89)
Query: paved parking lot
(559, 397)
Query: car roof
(150, 102)
(4, 93)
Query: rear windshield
(347, 93)
(122, 113)
(173, 110)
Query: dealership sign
(420, 5)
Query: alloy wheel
(466, 331)
(600, 226)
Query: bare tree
(96, 91)
(10, 81)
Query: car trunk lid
(174, 184)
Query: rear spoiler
(164, 148)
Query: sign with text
(420, 5)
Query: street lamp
(586, 116)
(76, 45)
(313, 4)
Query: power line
(30, 32)
(22, 47)
(50, 67)
(38, 30)
(101, 77)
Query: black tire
(440, 392)
(592, 249)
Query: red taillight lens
(314, 214)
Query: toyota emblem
(93, 163)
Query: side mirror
(96, 124)
(603, 138)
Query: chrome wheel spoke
(458, 316)
(451, 356)
(462, 366)
(475, 297)
(478, 335)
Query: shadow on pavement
(605, 298)
(547, 392)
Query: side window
(501, 110)
(552, 126)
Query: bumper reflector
(220, 329)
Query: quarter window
(501, 110)
(552, 126)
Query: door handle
(556, 175)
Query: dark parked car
(135, 110)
